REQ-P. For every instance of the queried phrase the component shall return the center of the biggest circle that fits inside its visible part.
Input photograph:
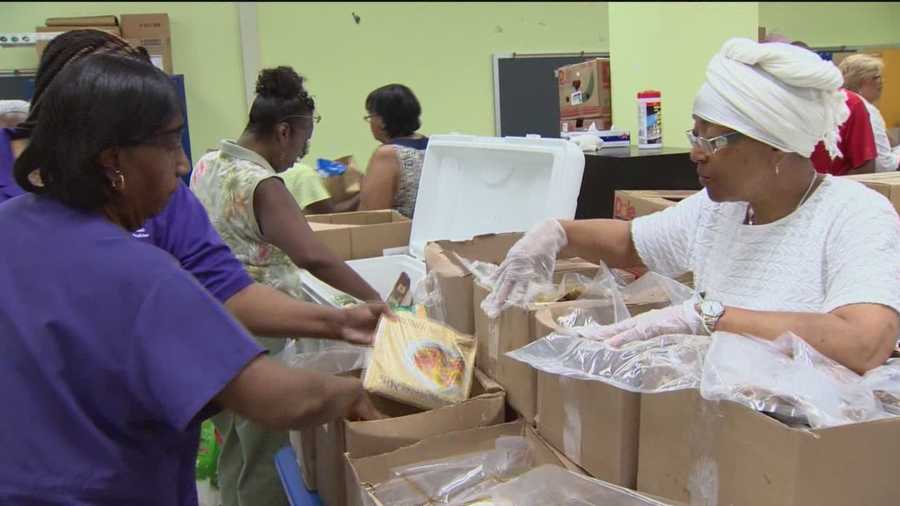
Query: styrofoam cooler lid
(480, 185)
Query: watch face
(712, 308)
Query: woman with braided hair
(259, 219)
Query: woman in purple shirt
(183, 228)
(112, 354)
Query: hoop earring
(119, 184)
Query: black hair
(69, 47)
(98, 102)
(398, 108)
(279, 94)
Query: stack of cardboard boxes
(585, 95)
(150, 31)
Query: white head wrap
(10, 106)
(779, 94)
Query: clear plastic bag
(654, 291)
(428, 292)
(884, 382)
(455, 479)
(787, 378)
(337, 359)
(553, 485)
(662, 364)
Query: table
(631, 169)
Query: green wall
(443, 52)
(657, 45)
(440, 50)
(833, 23)
(205, 46)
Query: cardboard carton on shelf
(585, 90)
(47, 33)
(152, 32)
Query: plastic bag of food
(549, 484)
(662, 364)
(339, 358)
(456, 478)
(654, 291)
(787, 378)
(420, 362)
(884, 382)
(431, 301)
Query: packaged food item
(420, 362)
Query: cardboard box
(585, 90)
(304, 444)
(885, 183)
(725, 453)
(83, 21)
(601, 122)
(513, 329)
(593, 424)
(362, 234)
(630, 204)
(346, 185)
(365, 473)
(47, 33)
(406, 426)
(152, 32)
(456, 283)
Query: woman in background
(863, 75)
(241, 188)
(392, 177)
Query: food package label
(420, 362)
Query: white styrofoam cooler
(471, 186)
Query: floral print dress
(225, 182)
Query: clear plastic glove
(679, 319)
(531, 260)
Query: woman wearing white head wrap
(774, 247)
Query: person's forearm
(830, 334)
(338, 274)
(351, 204)
(281, 398)
(607, 241)
(265, 311)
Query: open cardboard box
(365, 472)
(705, 452)
(456, 283)
(363, 234)
(594, 424)
(885, 183)
(406, 425)
(631, 204)
(514, 328)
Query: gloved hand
(530, 261)
(679, 319)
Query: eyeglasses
(710, 146)
(316, 118)
(368, 117)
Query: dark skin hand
(282, 224)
